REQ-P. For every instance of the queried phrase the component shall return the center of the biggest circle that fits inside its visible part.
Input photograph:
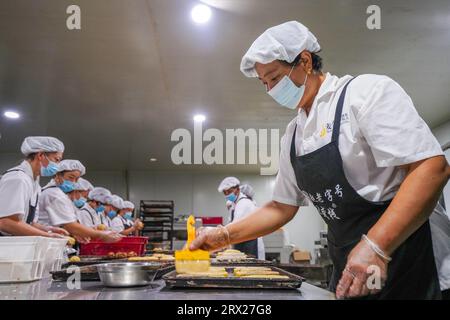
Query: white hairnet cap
(283, 42)
(247, 190)
(228, 183)
(41, 144)
(78, 187)
(98, 194)
(114, 200)
(128, 205)
(71, 165)
(85, 185)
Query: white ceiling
(138, 69)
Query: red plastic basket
(126, 244)
(211, 220)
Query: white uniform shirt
(440, 233)
(105, 220)
(243, 207)
(119, 224)
(18, 190)
(88, 217)
(380, 130)
(55, 207)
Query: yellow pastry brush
(187, 261)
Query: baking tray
(241, 263)
(90, 260)
(89, 273)
(231, 282)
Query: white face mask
(286, 93)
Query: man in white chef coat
(242, 206)
(20, 189)
(361, 154)
(57, 209)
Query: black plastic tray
(294, 281)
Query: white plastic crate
(21, 258)
(55, 255)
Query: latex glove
(210, 238)
(365, 273)
(110, 236)
(59, 231)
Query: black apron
(320, 176)
(248, 247)
(31, 208)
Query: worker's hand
(82, 240)
(55, 235)
(209, 238)
(61, 231)
(364, 273)
(110, 236)
(138, 224)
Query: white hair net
(98, 194)
(228, 183)
(248, 190)
(41, 144)
(128, 205)
(283, 42)
(71, 165)
(85, 185)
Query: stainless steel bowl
(127, 274)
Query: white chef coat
(380, 130)
(440, 233)
(119, 224)
(243, 207)
(17, 190)
(105, 220)
(88, 217)
(55, 207)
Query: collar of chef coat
(330, 85)
(26, 167)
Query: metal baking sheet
(294, 281)
(89, 273)
(242, 262)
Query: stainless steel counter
(47, 289)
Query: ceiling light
(11, 115)
(199, 118)
(201, 13)
(153, 159)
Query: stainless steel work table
(46, 289)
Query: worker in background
(243, 206)
(123, 223)
(111, 204)
(85, 187)
(57, 209)
(20, 189)
(89, 214)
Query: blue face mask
(79, 202)
(128, 216)
(50, 170)
(286, 93)
(231, 197)
(100, 209)
(67, 186)
(112, 214)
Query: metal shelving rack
(157, 216)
